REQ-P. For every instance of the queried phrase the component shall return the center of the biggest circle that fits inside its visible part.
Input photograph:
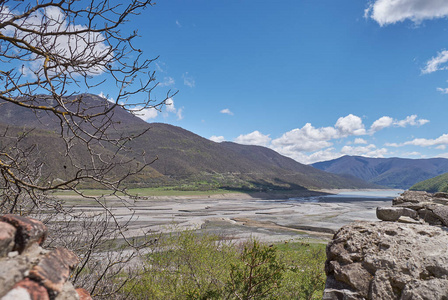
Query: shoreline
(265, 195)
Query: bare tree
(52, 52)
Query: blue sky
(313, 80)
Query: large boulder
(394, 213)
(387, 260)
(420, 206)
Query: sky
(312, 80)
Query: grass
(187, 265)
(149, 192)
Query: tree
(258, 274)
(52, 52)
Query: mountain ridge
(392, 172)
(183, 157)
(432, 185)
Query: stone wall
(27, 271)
(403, 257)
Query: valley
(242, 216)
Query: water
(352, 196)
(368, 194)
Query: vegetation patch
(432, 185)
(188, 265)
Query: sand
(267, 217)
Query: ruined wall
(27, 271)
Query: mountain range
(400, 173)
(181, 157)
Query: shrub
(188, 265)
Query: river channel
(236, 217)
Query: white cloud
(178, 24)
(436, 63)
(414, 153)
(392, 145)
(360, 141)
(307, 138)
(441, 140)
(322, 155)
(167, 81)
(253, 138)
(443, 90)
(386, 121)
(102, 95)
(310, 144)
(188, 80)
(330, 153)
(392, 11)
(217, 139)
(145, 114)
(160, 66)
(411, 120)
(381, 123)
(179, 113)
(226, 111)
(369, 151)
(74, 51)
(350, 125)
(442, 155)
(441, 147)
(149, 113)
(170, 105)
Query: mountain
(393, 172)
(432, 185)
(181, 157)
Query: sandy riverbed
(240, 216)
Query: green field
(148, 192)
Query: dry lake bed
(238, 216)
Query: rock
(441, 195)
(430, 289)
(413, 197)
(408, 220)
(28, 231)
(442, 201)
(11, 272)
(27, 271)
(383, 260)
(83, 294)
(394, 213)
(431, 208)
(68, 292)
(333, 294)
(27, 289)
(441, 213)
(354, 275)
(7, 237)
(429, 217)
(54, 269)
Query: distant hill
(432, 185)
(182, 157)
(393, 172)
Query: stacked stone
(27, 271)
(418, 208)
